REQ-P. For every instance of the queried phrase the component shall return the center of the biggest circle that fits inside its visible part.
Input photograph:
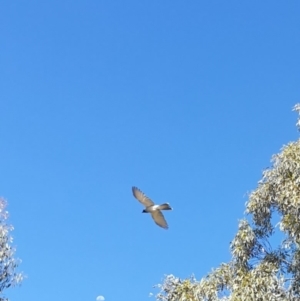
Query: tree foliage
(257, 270)
(8, 264)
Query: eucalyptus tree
(8, 263)
(258, 270)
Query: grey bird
(155, 210)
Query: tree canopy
(8, 264)
(258, 270)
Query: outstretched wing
(159, 219)
(141, 197)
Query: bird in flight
(155, 210)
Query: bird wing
(159, 219)
(141, 197)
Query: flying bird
(155, 210)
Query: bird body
(154, 210)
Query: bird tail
(164, 206)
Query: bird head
(144, 211)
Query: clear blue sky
(187, 100)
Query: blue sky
(186, 100)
